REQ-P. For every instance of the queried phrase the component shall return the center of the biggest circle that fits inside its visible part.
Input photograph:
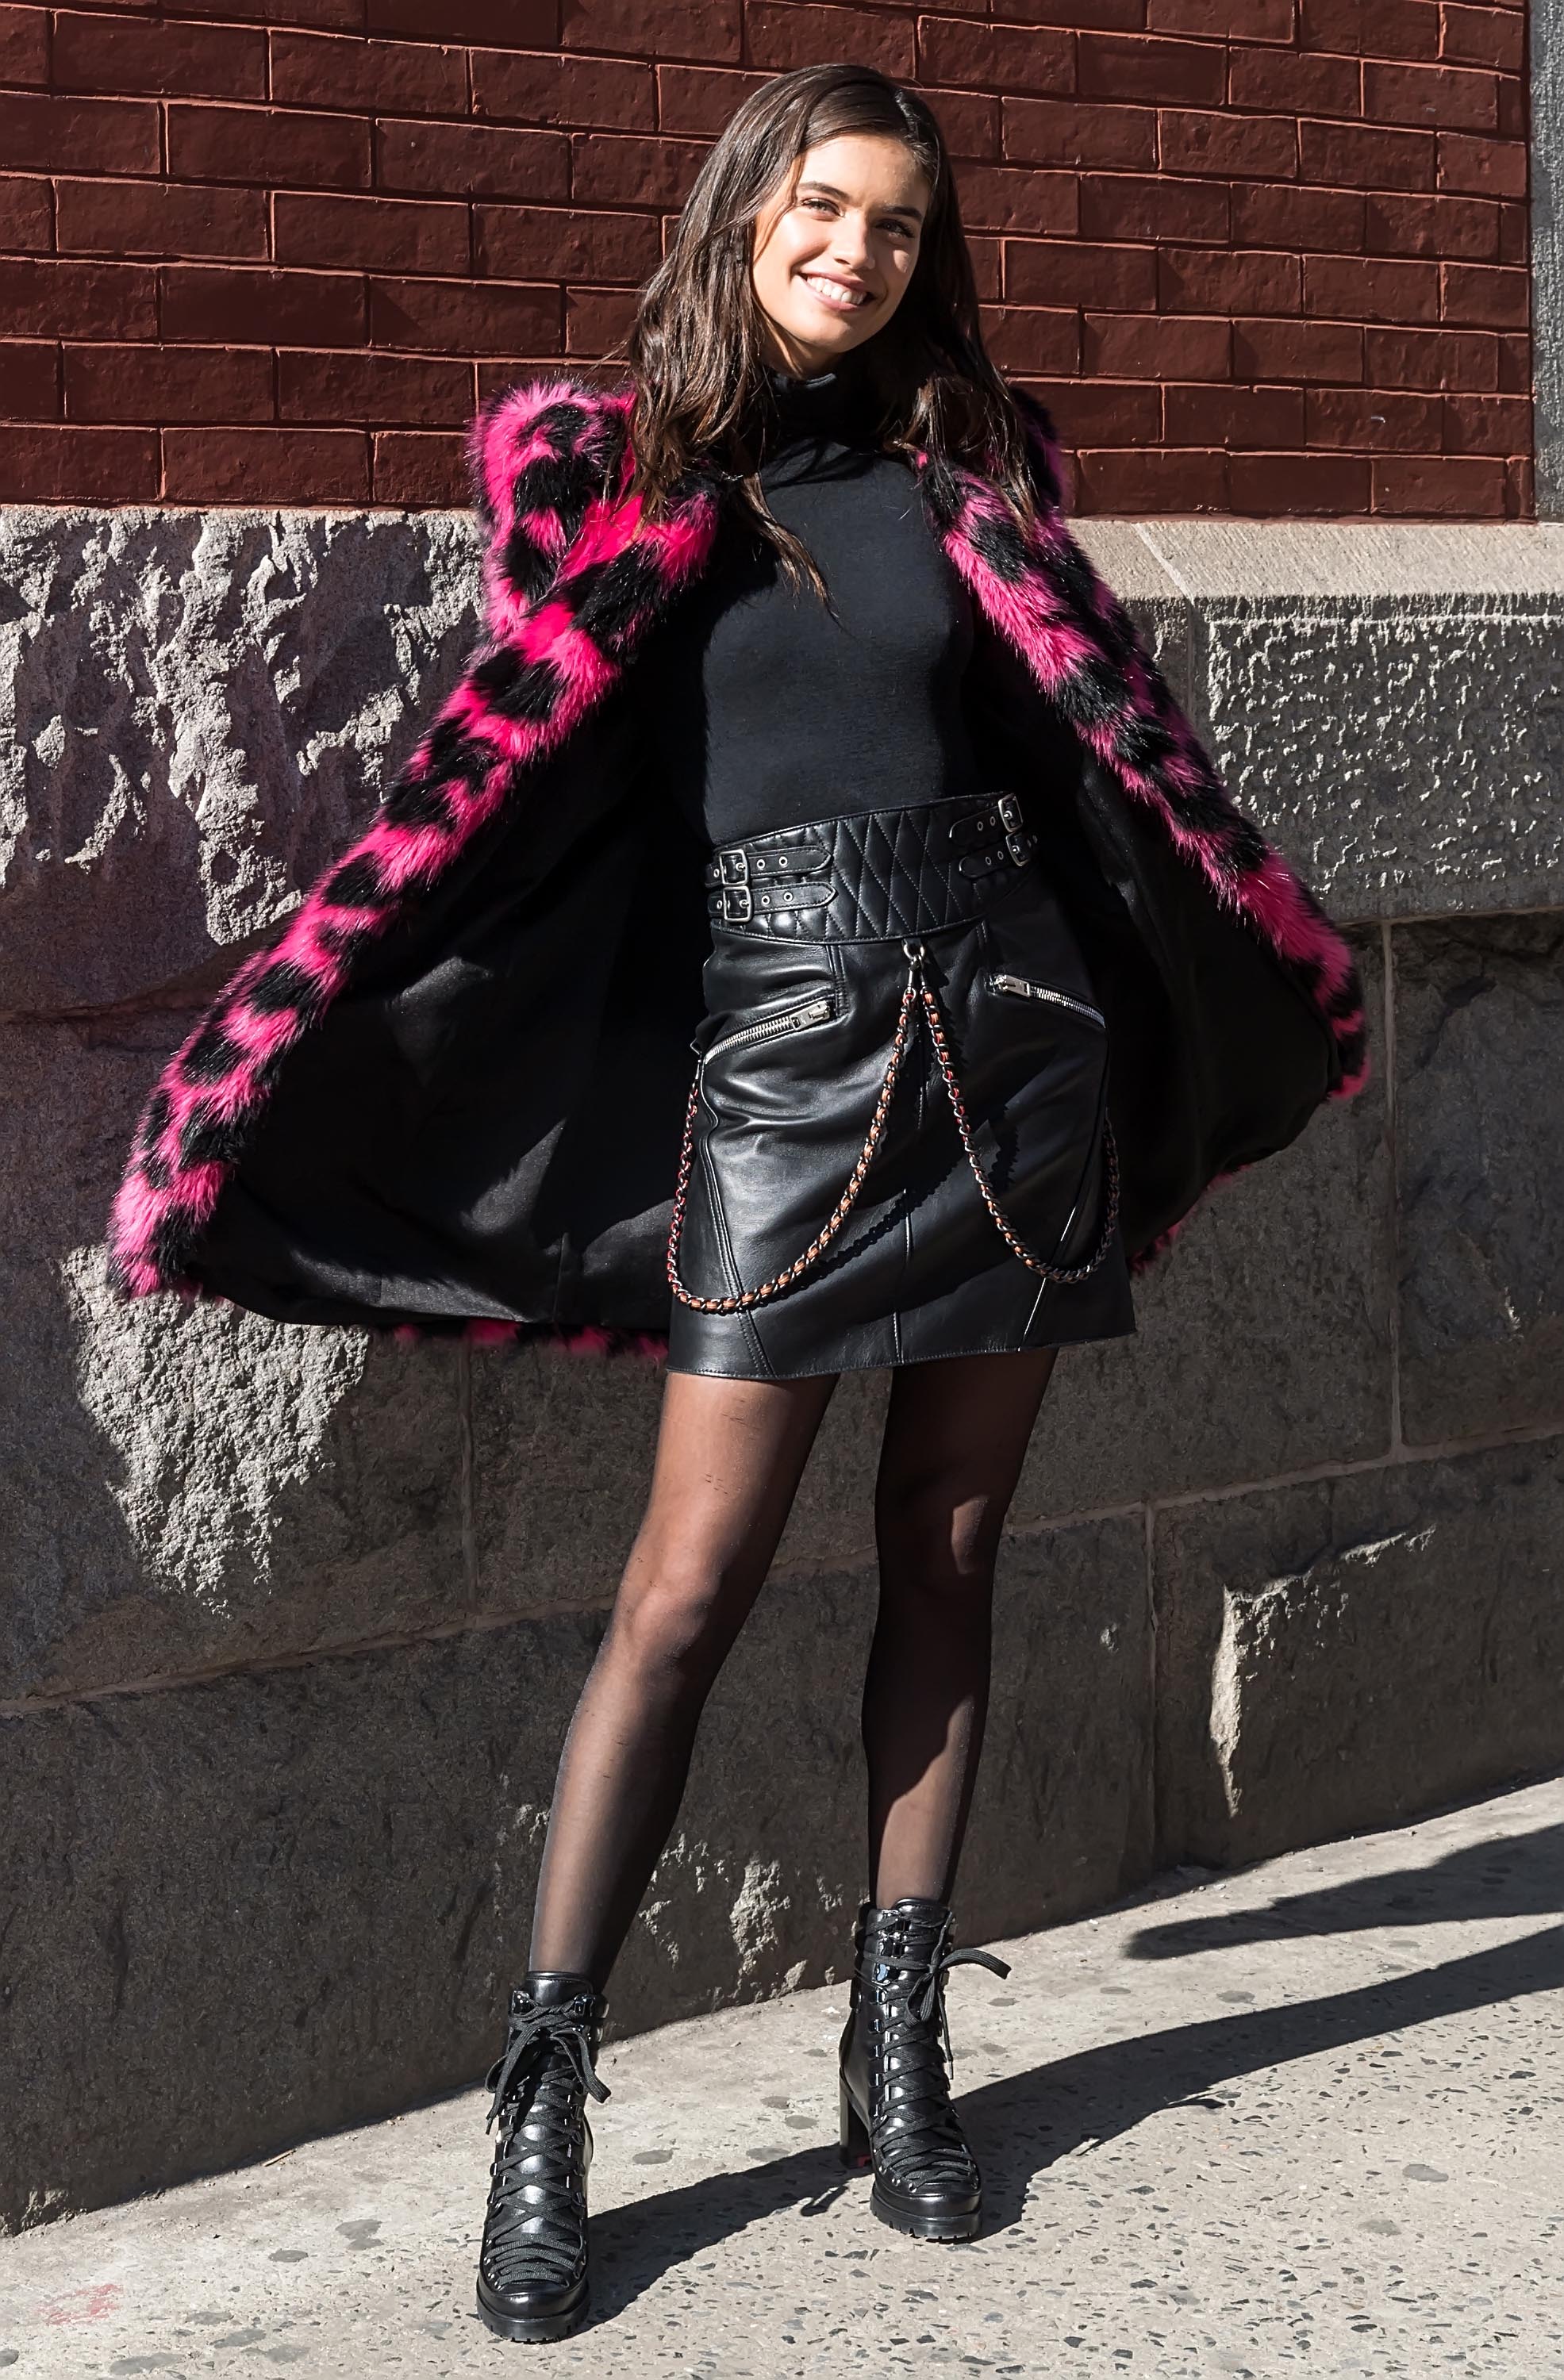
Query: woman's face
(834, 248)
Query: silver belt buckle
(1017, 843)
(733, 868)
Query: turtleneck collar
(836, 405)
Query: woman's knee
(938, 1535)
(676, 1613)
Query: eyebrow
(829, 190)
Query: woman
(802, 725)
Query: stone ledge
(1333, 561)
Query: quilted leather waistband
(872, 875)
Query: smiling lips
(842, 297)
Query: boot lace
(534, 2237)
(913, 2128)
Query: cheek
(787, 247)
(795, 241)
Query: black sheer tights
(729, 1457)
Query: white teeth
(834, 293)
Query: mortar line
(1401, 1458)
(1154, 1705)
(465, 1483)
(264, 1665)
(1144, 530)
(485, 1622)
(1392, 1142)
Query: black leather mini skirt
(898, 1145)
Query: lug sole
(926, 2226)
(533, 2329)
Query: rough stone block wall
(294, 1619)
(1265, 256)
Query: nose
(851, 248)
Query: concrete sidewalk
(1310, 2118)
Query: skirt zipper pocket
(1022, 990)
(766, 1028)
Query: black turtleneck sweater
(765, 708)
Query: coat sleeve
(543, 462)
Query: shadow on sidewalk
(1019, 2127)
(1519, 1875)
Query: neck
(837, 400)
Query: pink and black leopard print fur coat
(1235, 1001)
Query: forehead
(869, 168)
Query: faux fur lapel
(1040, 591)
(574, 576)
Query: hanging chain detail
(917, 990)
(1054, 1274)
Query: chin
(834, 334)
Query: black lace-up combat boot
(532, 2266)
(895, 2091)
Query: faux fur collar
(573, 576)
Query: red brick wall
(1261, 256)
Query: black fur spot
(527, 692)
(942, 492)
(528, 566)
(455, 753)
(343, 941)
(1141, 742)
(551, 484)
(996, 539)
(154, 1123)
(613, 595)
(156, 1170)
(1090, 694)
(563, 421)
(1121, 646)
(211, 1057)
(1249, 850)
(209, 1139)
(283, 987)
(1239, 844)
(1072, 575)
(354, 885)
(171, 1247)
(421, 802)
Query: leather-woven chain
(917, 988)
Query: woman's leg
(955, 1439)
(729, 1457)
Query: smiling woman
(834, 251)
(803, 728)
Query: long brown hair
(696, 346)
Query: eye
(818, 206)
